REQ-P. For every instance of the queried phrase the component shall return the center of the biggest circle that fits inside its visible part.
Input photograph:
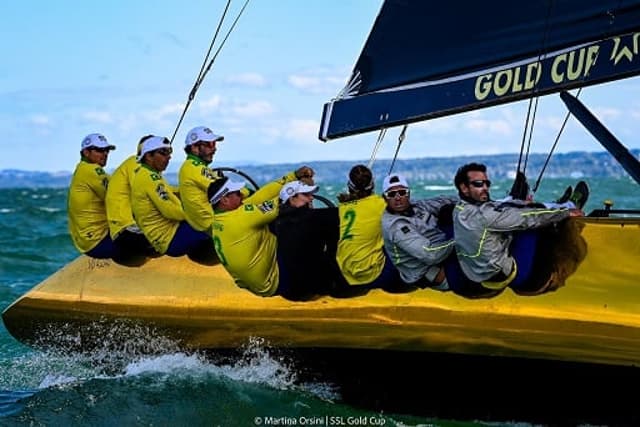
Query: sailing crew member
(360, 255)
(412, 238)
(156, 208)
(241, 236)
(86, 209)
(125, 233)
(195, 176)
(307, 239)
(484, 229)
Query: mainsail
(426, 59)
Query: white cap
(153, 143)
(201, 133)
(220, 187)
(394, 180)
(96, 140)
(292, 188)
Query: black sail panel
(426, 59)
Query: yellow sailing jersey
(118, 198)
(85, 205)
(194, 179)
(156, 209)
(243, 242)
(360, 254)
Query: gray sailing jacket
(483, 234)
(414, 243)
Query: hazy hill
(575, 164)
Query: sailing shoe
(566, 195)
(580, 195)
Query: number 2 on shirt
(350, 217)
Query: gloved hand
(520, 188)
(305, 174)
(217, 174)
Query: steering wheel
(323, 199)
(238, 172)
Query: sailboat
(422, 60)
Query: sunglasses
(100, 150)
(164, 151)
(393, 193)
(479, 183)
(206, 144)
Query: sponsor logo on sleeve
(266, 207)
(162, 192)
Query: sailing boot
(580, 195)
(565, 196)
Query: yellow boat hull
(595, 317)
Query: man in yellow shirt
(157, 210)
(86, 209)
(127, 237)
(241, 236)
(195, 176)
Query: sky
(124, 68)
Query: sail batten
(420, 63)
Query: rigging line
(524, 133)
(235, 21)
(553, 147)
(529, 125)
(400, 141)
(604, 34)
(196, 84)
(204, 73)
(376, 147)
(192, 94)
(533, 120)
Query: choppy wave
(102, 386)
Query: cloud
(436, 126)
(607, 113)
(498, 126)
(40, 119)
(302, 130)
(254, 109)
(319, 81)
(163, 112)
(209, 105)
(101, 117)
(248, 79)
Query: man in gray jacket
(483, 228)
(411, 235)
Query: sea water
(148, 381)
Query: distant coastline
(563, 165)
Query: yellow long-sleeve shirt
(118, 199)
(85, 205)
(156, 209)
(244, 244)
(194, 179)
(360, 254)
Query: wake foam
(122, 349)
